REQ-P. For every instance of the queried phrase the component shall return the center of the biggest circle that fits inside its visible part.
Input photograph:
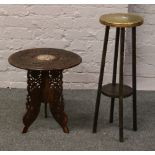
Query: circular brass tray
(121, 20)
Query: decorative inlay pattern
(45, 57)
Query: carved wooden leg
(57, 110)
(33, 98)
(55, 98)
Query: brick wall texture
(75, 28)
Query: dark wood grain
(47, 87)
(30, 59)
(112, 90)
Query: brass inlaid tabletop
(44, 59)
(121, 20)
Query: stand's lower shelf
(111, 90)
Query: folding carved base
(45, 86)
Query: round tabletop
(121, 20)
(44, 59)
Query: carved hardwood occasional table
(44, 81)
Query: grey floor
(46, 134)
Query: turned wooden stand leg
(33, 98)
(114, 72)
(55, 98)
(121, 85)
(134, 85)
(100, 79)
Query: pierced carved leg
(57, 110)
(55, 98)
(33, 98)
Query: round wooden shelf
(111, 90)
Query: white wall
(145, 47)
(75, 28)
(71, 27)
